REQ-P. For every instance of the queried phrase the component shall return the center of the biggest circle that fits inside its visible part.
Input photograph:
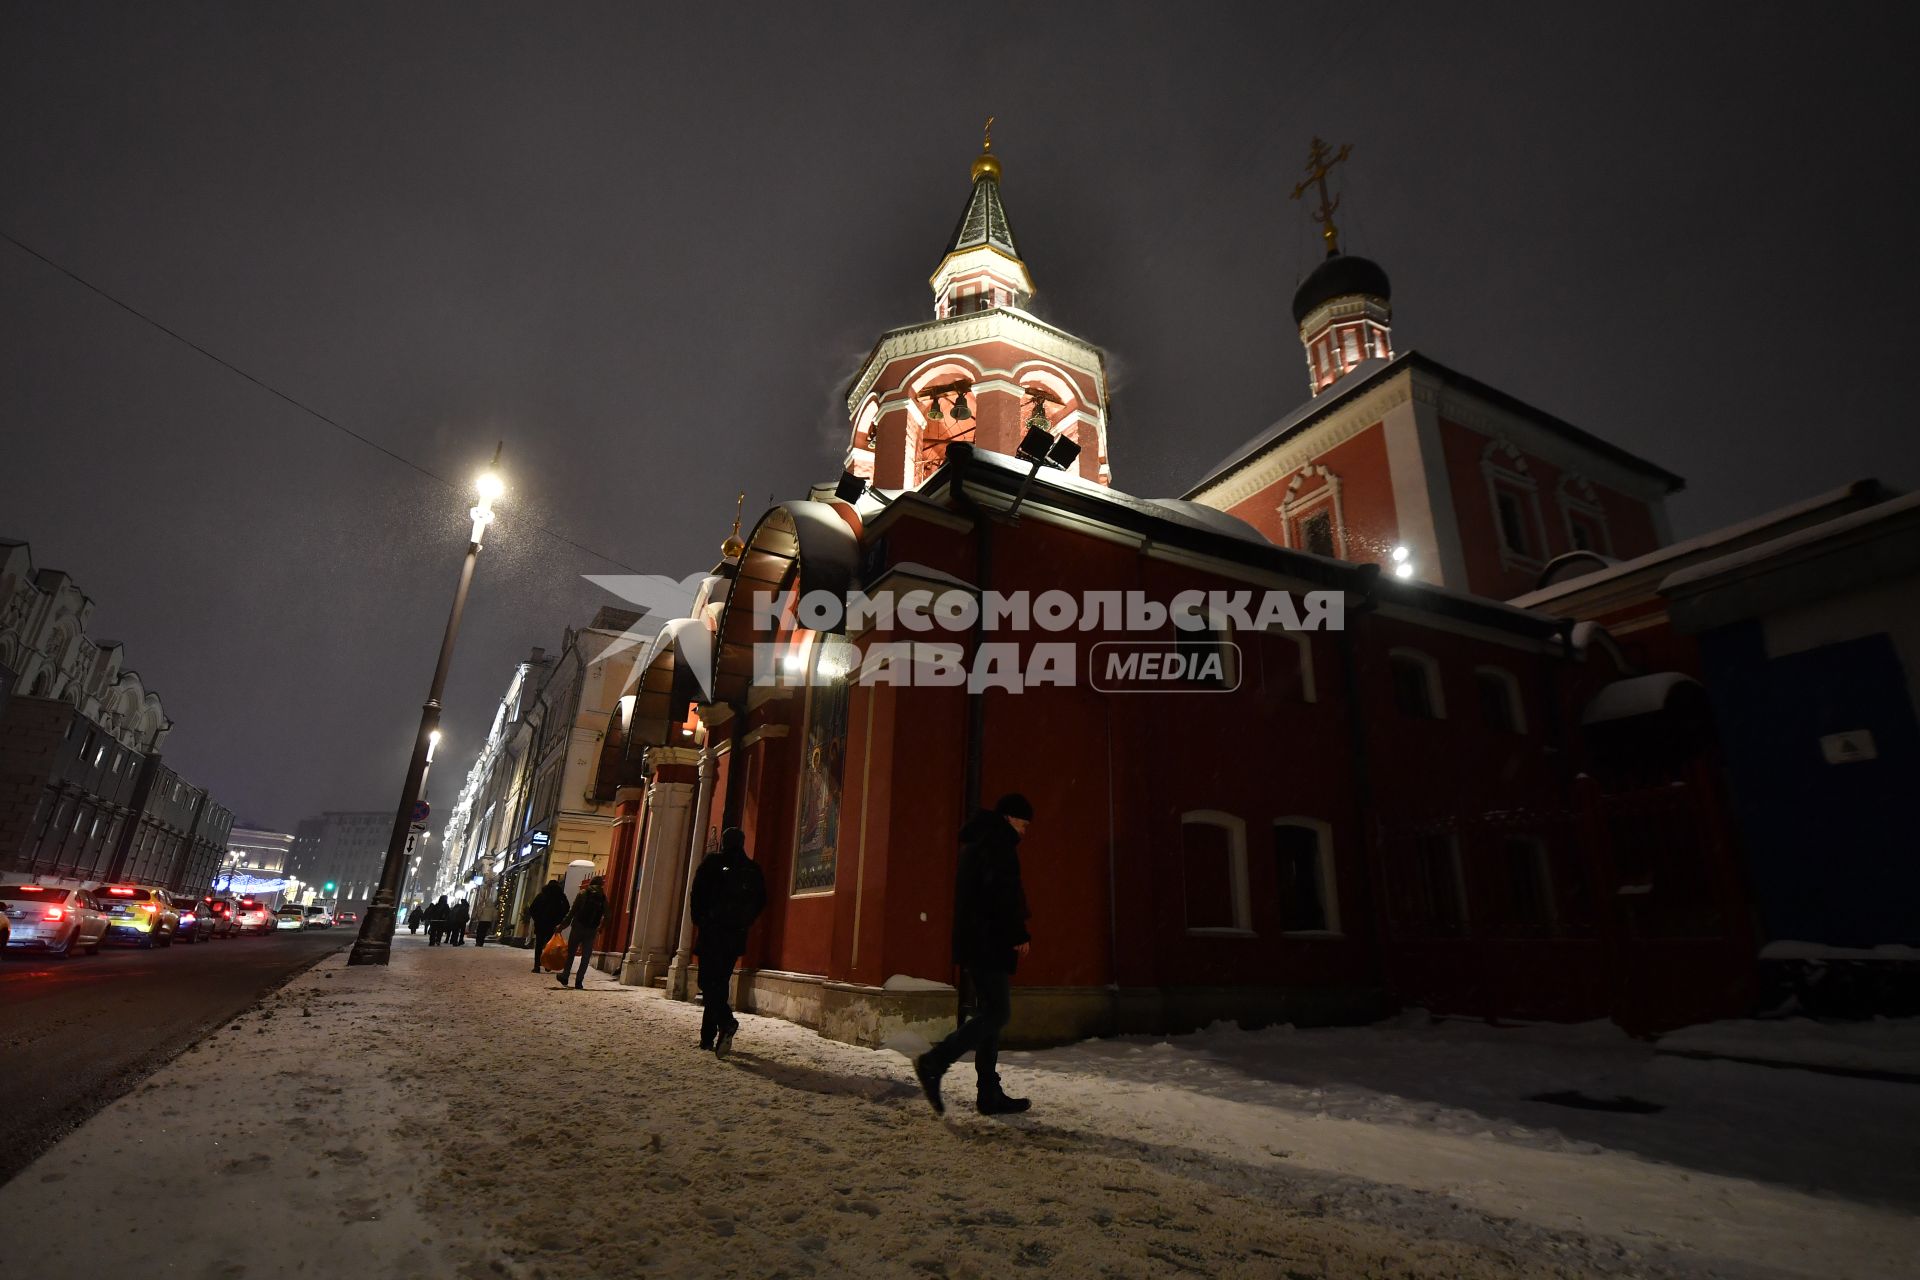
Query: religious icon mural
(824, 765)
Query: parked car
(250, 915)
(319, 918)
(57, 921)
(290, 918)
(222, 924)
(196, 918)
(137, 914)
(6, 931)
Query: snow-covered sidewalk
(457, 1116)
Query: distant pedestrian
(989, 938)
(437, 916)
(583, 926)
(482, 927)
(728, 895)
(544, 913)
(415, 918)
(457, 923)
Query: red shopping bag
(554, 956)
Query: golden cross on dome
(1320, 162)
(986, 143)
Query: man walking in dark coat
(583, 926)
(989, 937)
(457, 923)
(728, 895)
(544, 913)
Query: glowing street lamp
(375, 943)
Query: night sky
(647, 247)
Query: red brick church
(1449, 801)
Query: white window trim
(1293, 507)
(1577, 497)
(1329, 885)
(1503, 465)
(1236, 829)
(1308, 691)
(1436, 691)
(1512, 682)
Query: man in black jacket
(728, 895)
(544, 913)
(989, 937)
(583, 926)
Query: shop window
(1213, 868)
(1303, 852)
(1500, 705)
(1416, 685)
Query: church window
(1303, 852)
(1286, 662)
(1500, 706)
(1353, 348)
(1513, 523)
(1529, 909)
(1431, 898)
(1316, 532)
(1213, 866)
(1416, 685)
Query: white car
(57, 921)
(319, 918)
(289, 918)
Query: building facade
(84, 796)
(346, 849)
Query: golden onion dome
(733, 548)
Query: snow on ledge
(906, 982)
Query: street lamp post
(375, 943)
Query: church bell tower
(1344, 307)
(984, 370)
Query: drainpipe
(677, 985)
(1369, 575)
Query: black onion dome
(1338, 277)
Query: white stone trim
(1514, 700)
(1513, 474)
(1329, 881)
(1436, 688)
(1236, 829)
(1294, 507)
(996, 325)
(1338, 427)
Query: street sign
(420, 811)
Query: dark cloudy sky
(646, 245)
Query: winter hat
(733, 840)
(1014, 805)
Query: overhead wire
(289, 399)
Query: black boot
(928, 1073)
(999, 1104)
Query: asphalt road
(76, 1034)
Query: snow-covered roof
(1791, 544)
(1634, 696)
(1867, 490)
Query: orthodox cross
(1320, 162)
(987, 143)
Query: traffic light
(329, 886)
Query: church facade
(1421, 795)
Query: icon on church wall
(826, 744)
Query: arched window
(1417, 693)
(1501, 707)
(1213, 868)
(1303, 858)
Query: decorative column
(669, 796)
(677, 984)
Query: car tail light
(148, 907)
(56, 913)
(121, 893)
